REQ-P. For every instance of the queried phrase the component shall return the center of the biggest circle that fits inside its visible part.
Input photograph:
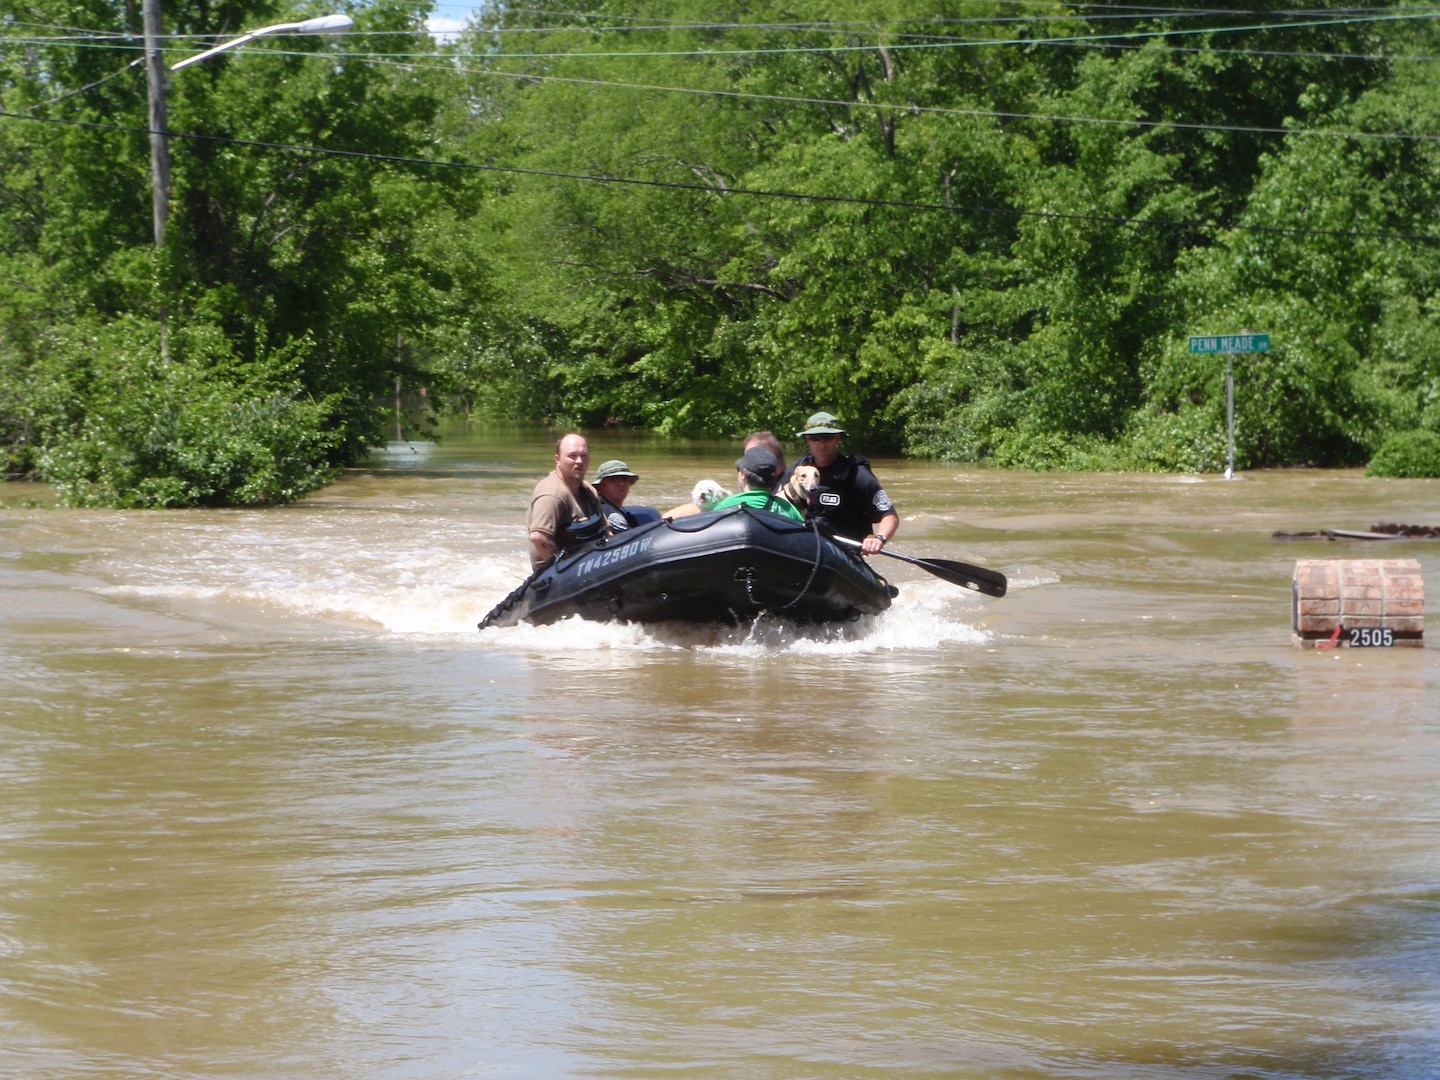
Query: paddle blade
(967, 576)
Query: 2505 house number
(1370, 637)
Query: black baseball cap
(759, 462)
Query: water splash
(922, 620)
(420, 576)
(1028, 576)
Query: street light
(157, 85)
(325, 24)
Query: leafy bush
(1192, 440)
(1408, 454)
(120, 427)
(1027, 447)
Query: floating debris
(1330, 534)
(1417, 532)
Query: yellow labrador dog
(704, 495)
(801, 488)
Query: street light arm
(325, 24)
(231, 44)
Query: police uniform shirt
(851, 498)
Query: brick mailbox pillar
(1358, 602)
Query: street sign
(1230, 343)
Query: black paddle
(974, 578)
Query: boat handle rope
(815, 528)
(514, 598)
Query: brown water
(271, 807)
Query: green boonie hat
(822, 423)
(615, 467)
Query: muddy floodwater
(271, 807)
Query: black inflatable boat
(727, 566)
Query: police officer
(851, 498)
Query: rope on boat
(514, 598)
(815, 528)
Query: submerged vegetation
(976, 230)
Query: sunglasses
(822, 438)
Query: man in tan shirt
(560, 500)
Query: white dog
(704, 495)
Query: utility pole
(399, 415)
(158, 86)
(159, 132)
(159, 141)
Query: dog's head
(706, 493)
(800, 489)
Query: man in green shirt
(758, 471)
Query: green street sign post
(1229, 344)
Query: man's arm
(542, 546)
(544, 522)
(885, 518)
(884, 529)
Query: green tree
(1351, 309)
(985, 240)
(306, 221)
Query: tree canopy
(974, 229)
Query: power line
(1391, 58)
(88, 86)
(1132, 11)
(971, 42)
(1368, 16)
(847, 26)
(799, 196)
(908, 108)
(126, 41)
(407, 60)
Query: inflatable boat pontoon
(717, 567)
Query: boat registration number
(1370, 637)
